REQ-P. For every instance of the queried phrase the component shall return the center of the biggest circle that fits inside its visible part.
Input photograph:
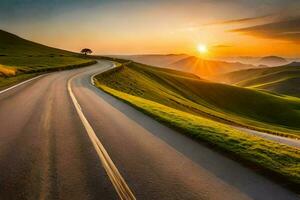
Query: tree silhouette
(86, 51)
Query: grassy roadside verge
(22, 75)
(266, 157)
(21, 59)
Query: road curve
(46, 152)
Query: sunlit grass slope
(186, 92)
(19, 57)
(152, 91)
(282, 80)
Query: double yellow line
(113, 173)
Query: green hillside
(282, 80)
(21, 59)
(196, 108)
(13, 45)
(221, 102)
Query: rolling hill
(188, 93)
(21, 59)
(194, 107)
(13, 45)
(283, 79)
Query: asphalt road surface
(62, 138)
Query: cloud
(288, 29)
(243, 20)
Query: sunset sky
(227, 28)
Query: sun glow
(202, 48)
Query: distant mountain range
(270, 61)
(201, 67)
(158, 60)
(207, 68)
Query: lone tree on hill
(86, 51)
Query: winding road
(62, 138)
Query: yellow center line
(113, 173)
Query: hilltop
(13, 45)
(21, 59)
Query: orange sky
(228, 28)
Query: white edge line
(114, 175)
(93, 76)
(19, 84)
(92, 79)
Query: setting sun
(202, 48)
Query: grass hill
(187, 92)
(21, 59)
(199, 109)
(13, 45)
(283, 79)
